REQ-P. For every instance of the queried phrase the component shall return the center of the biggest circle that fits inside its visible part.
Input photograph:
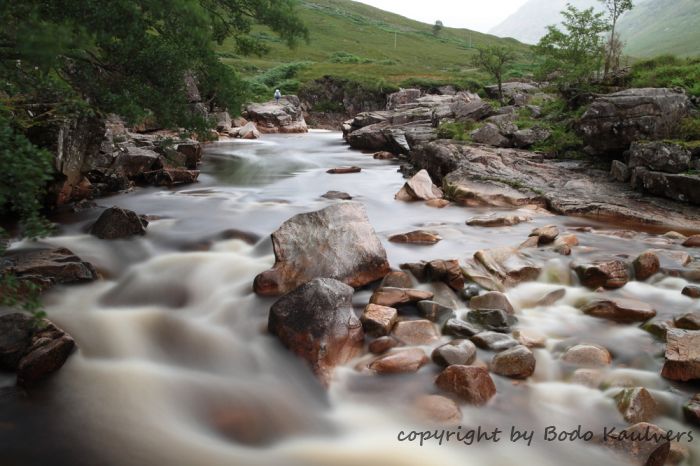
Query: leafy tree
(575, 54)
(438, 27)
(494, 60)
(615, 8)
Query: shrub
(459, 131)
(348, 58)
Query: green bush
(458, 131)
(690, 129)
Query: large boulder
(283, 117)
(614, 121)
(336, 242)
(659, 156)
(679, 187)
(117, 223)
(47, 267)
(317, 323)
(49, 350)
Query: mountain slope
(652, 28)
(353, 39)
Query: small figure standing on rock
(278, 95)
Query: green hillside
(656, 27)
(355, 40)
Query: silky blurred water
(175, 367)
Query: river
(175, 367)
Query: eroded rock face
(117, 223)
(659, 156)
(614, 121)
(352, 252)
(317, 323)
(272, 117)
(682, 355)
(472, 384)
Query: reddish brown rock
(400, 361)
(646, 265)
(382, 344)
(393, 296)
(692, 291)
(530, 338)
(459, 352)
(517, 362)
(344, 170)
(587, 356)
(691, 410)
(689, 321)
(438, 409)
(415, 332)
(47, 267)
(170, 177)
(636, 405)
(438, 203)
(336, 242)
(507, 265)
(492, 300)
(447, 271)
(620, 310)
(396, 280)
(337, 195)
(605, 273)
(378, 320)
(419, 188)
(416, 237)
(692, 242)
(643, 444)
(49, 350)
(384, 155)
(682, 355)
(545, 235)
(472, 384)
(317, 323)
(551, 298)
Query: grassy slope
(658, 27)
(368, 33)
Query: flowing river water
(174, 365)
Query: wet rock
(49, 350)
(396, 280)
(545, 235)
(551, 298)
(612, 122)
(494, 341)
(415, 332)
(117, 223)
(659, 156)
(692, 242)
(691, 410)
(438, 410)
(460, 329)
(384, 155)
(395, 296)
(517, 362)
(416, 237)
(496, 221)
(248, 131)
(689, 321)
(170, 177)
(591, 378)
(435, 312)
(624, 311)
(530, 338)
(604, 273)
(283, 117)
(470, 292)
(438, 203)
(419, 188)
(620, 171)
(337, 195)
(474, 385)
(353, 253)
(344, 170)
(460, 352)
(507, 265)
(192, 152)
(378, 320)
(47, 267)
(636, 405)
(658, 328)
(491, 319)
(692, 291)
(382, 345)
(316, 322)
(16, 331)
(492, 300)
(646, 265)
(400, 361)
(447, 271)
(587, 356)
(682, 355)
(643, 444)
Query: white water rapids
(174, 366)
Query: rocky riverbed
(475, 303)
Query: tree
(437, 27)
(494, 60)
(615, 8)
(574, 55)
